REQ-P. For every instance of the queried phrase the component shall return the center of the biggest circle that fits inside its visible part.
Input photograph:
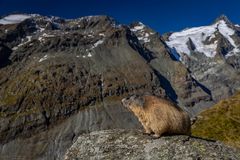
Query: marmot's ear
(147, 94)
(140, 101)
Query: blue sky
(163, 16)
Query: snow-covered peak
(227, 32)
(223, 18)
(237, 25)
(137, 27)
(142, 32)
(179, 41)
(95, 18)
(14, 18)
(87, 18)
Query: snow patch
(90, 35)
(29, 38)
(90, 50)
(140, 26)
(101, 34)
(14, 19)
(144, 39)
(87, 18)
(227, 33)
(141, 34)
(212, 37)
(89, 54)
(151, 33)
(41, 29)
(146, 35)
(44, 58)
(97, 43)
(41, 39)
(45, 35)
(237, 25)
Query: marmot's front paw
(155, 136)
(146, 133)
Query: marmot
(158, 115)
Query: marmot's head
(133, 102)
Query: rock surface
(125, 144)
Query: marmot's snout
(125, 102)
(134, 99)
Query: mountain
(211, 53)
(206, 40)
(64, 77)
(220, 122)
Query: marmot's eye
(132, 98)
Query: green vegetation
(221, 122)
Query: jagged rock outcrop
(123, 144)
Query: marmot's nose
(124, 102)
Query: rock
(130, 144)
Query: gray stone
(129, 144)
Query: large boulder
(125, 144)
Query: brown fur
(158, 115)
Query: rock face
(61, 78)
(123, 144)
